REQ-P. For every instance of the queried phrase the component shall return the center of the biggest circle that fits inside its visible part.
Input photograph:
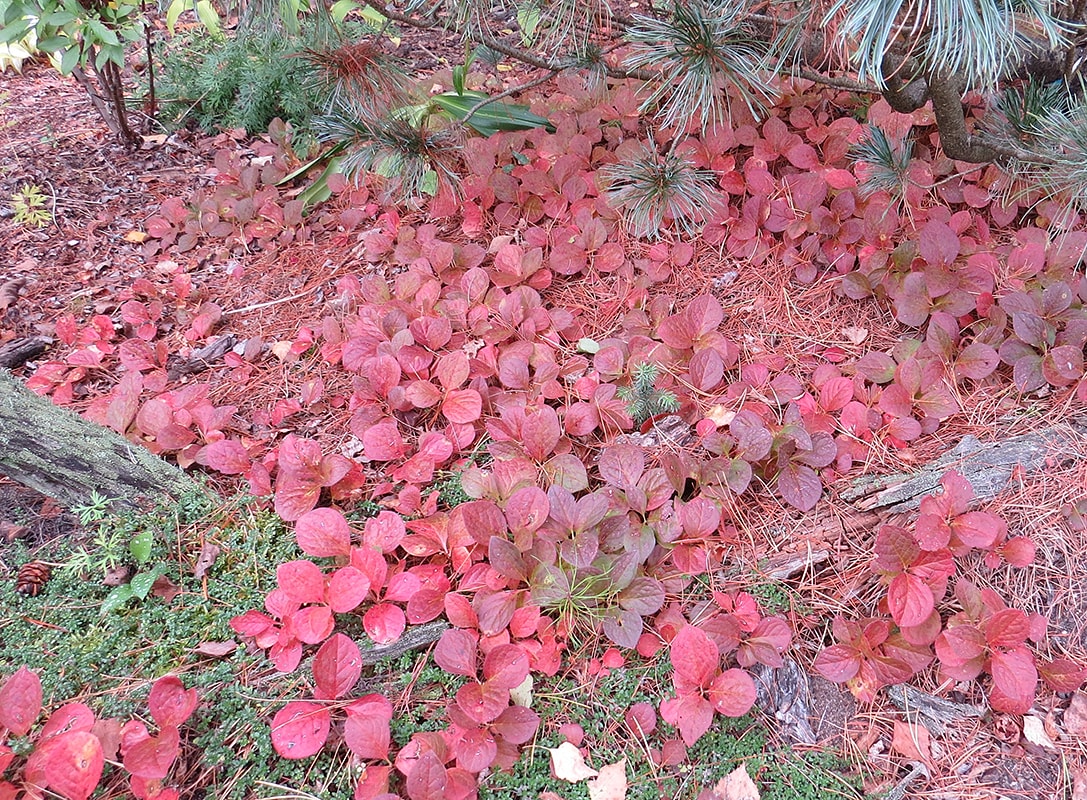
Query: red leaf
(312, 624)
(979, 529)
(69, 717)
(705, 314)
(383, 442)
(366, 730)
(323, 532)
(476, 750)
(1063, 674)
(347, 589)
(336, 667)
(932, 530)
(800, 486)
(695, 658)
(227, 456)
(384, 623)
(732, 693)
(835, 394)
(1016, 678)
(152, 757)
(895, 549)
(1018, 551)
(384, 532)
(1007, 628)
(938, 244)
(641, 719)
(540, 432)
(482, 702)
(516, 724)
(692, 714)
(20, 701)
(456, 653)
(427, 779)
(462, 406)
(373, 783)
(302, 581)
(910, 600)
(299, 729)
(506, 666)
(838, 663)
(699, 518)
(73, 764)
(169, 703)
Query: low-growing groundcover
(110, 660)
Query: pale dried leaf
(855, 335)
(9, 292)
(1079, 784)
(720, 414)
(611, 784)
(136, 237)
(1034, 732)
(1075, 716)
(521, 695)
(737, 785)
(568, 764)
(208, 553)
(215, 649)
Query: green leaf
(142, 582)
(117, 598)
(374, 17)
(458, 78)
(54, 43)
(59, 18)
(341, 8)
(210, 17)
(69, 59)
(173, 13)
(102, 34)
(493, 117)
(140, 546)
(429, 183)
(528, 19)
(318, 191)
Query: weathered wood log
(18, 351)
(66, 457)
(413, 638)
(200, 360)
(988, 466)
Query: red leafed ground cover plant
(370, 349)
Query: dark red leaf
(366, 730)
(1007, 628)
(73, 764)
(482, 702)
(456, 653)
(1015, 680)
(427, 778)
(517, 724)
(838, 663)
(695, 658)
(506, 666)
(910, 600)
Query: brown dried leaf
(208, 553)
(9, 292)
(912, 741)
(108, 732)
(1075, 716)
(215, 649)
(611, 784)
(165, 588)
(9, 531)
(737, 785)
(568, 764)
(118, 575)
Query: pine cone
(32, 577)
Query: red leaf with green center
(20, 701)
(302, 581)
(910, 600)
(384, 623)
(299, 729)
(323, 532)
(152, 758)
(336, 667)
(73, 764)
(169, 703)
(732, 693)
(482, 702)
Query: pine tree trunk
(66, 457)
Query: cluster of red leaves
(72, 747)
(456, 340)
(985, 636)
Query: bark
(18, 351)
(66, 457)
(988, 467)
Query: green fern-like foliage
(643, 398)
(888, 164)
